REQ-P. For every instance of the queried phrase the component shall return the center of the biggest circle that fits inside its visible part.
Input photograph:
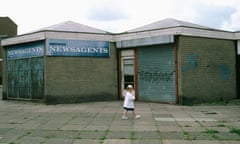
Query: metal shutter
(156, 73)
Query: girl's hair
(129, 86)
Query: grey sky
(121, 15)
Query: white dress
(129, 98)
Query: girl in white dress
(128, 105)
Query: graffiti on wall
(155, 77)
(225, 71)
(191, 62)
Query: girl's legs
(135, 115)
(124, 116)
(124, 112)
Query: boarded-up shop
(168, 61)
(68, 62)
(178, 62)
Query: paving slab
(146, 141)
(200, 136)
(93, 135)
(147, 135)
(43, 133)
(4, 130)
(206, 142)
(228, 136)
(30, 140)
(189, 124)
(167, 141)
(164, 128)
(8, 138)
(229, 142)
(145, 128)
(119, 135)
(121, 128)
(58, 141)
(101, 123)
(66, 134)
(181, 119)
(87, 141)
(173, 135)
(193, 129)
(72, 127)
(117, 141)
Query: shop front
(169, 61)
(150, 67)
(57, 65)
(25, 71)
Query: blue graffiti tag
(191, 63)
(225, 71)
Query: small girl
(128, 105)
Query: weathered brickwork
(81, 79)
(207, 69)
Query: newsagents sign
(25, 51)
(77, 48)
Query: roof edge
(211, 29)
(40, 35)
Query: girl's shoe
(124, 117)
(137, 117)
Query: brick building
(67, 62)
(181, 62)
(8, 28)
(168, 61)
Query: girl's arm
(133, 95)
(123, 94)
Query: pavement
(101, 123)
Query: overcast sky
(120, 15)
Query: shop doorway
(127, 74)
(151, 71)
(238, 69)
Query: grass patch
(78, 137)
(209, 112)
(12, 122)
(234, 130)
(211, 131)
(215, 137)
(103, 138)
(186, 135)
(221, 125)
(50, 136)
(132, 135)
